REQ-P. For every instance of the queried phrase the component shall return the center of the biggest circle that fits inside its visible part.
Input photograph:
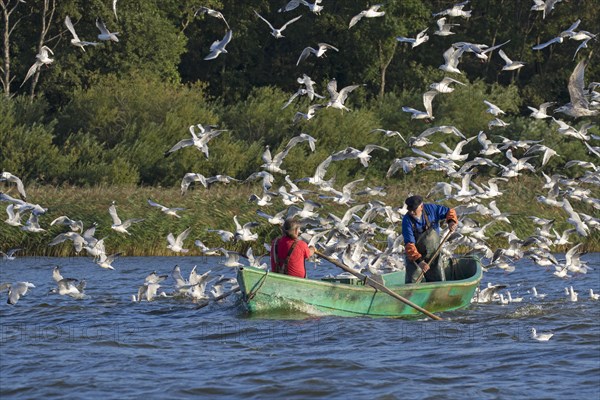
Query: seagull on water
(541, 337)
(536, 294)
(573, 295)
(488, 294)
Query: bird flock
(367, 237)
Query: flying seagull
(318, 52)
(118, 225)
(212, 13)
(421, 38)
(7, 176)
(427, 100)
(371, 12)
(42, 58)
(167, 210)
(76, 41)
(105, 34)
(579, 105)
(277, 32)
(218, 46)
(510, 64)
(338, 98)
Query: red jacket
(296, 262)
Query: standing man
(421, 232)
(288, 253)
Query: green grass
(214, 208)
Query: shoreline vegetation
(215, 207)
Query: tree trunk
(7, 10)
(384, 64)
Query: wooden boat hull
(265, 292)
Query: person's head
(291, 228)
(414, 205)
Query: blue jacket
(435, 213)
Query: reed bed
(215, 207)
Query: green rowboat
(264, 291)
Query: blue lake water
(106, 346)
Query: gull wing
(291, 21)
(332, 88)
(102, 27)
(70, 27)
(267, 22)
(427, 99)
(183, 235)
(356, 18)
(305, 53)
(504, 56)
(576, 85)
(322, 168)
(343, 94)
(112, 210)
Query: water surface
(107, 346)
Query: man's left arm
(451, 219)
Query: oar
(224, 295)
(437, 252)
(376, 285)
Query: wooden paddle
(376, 285)
(224, 295)
(437, 252)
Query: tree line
(107, 114)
